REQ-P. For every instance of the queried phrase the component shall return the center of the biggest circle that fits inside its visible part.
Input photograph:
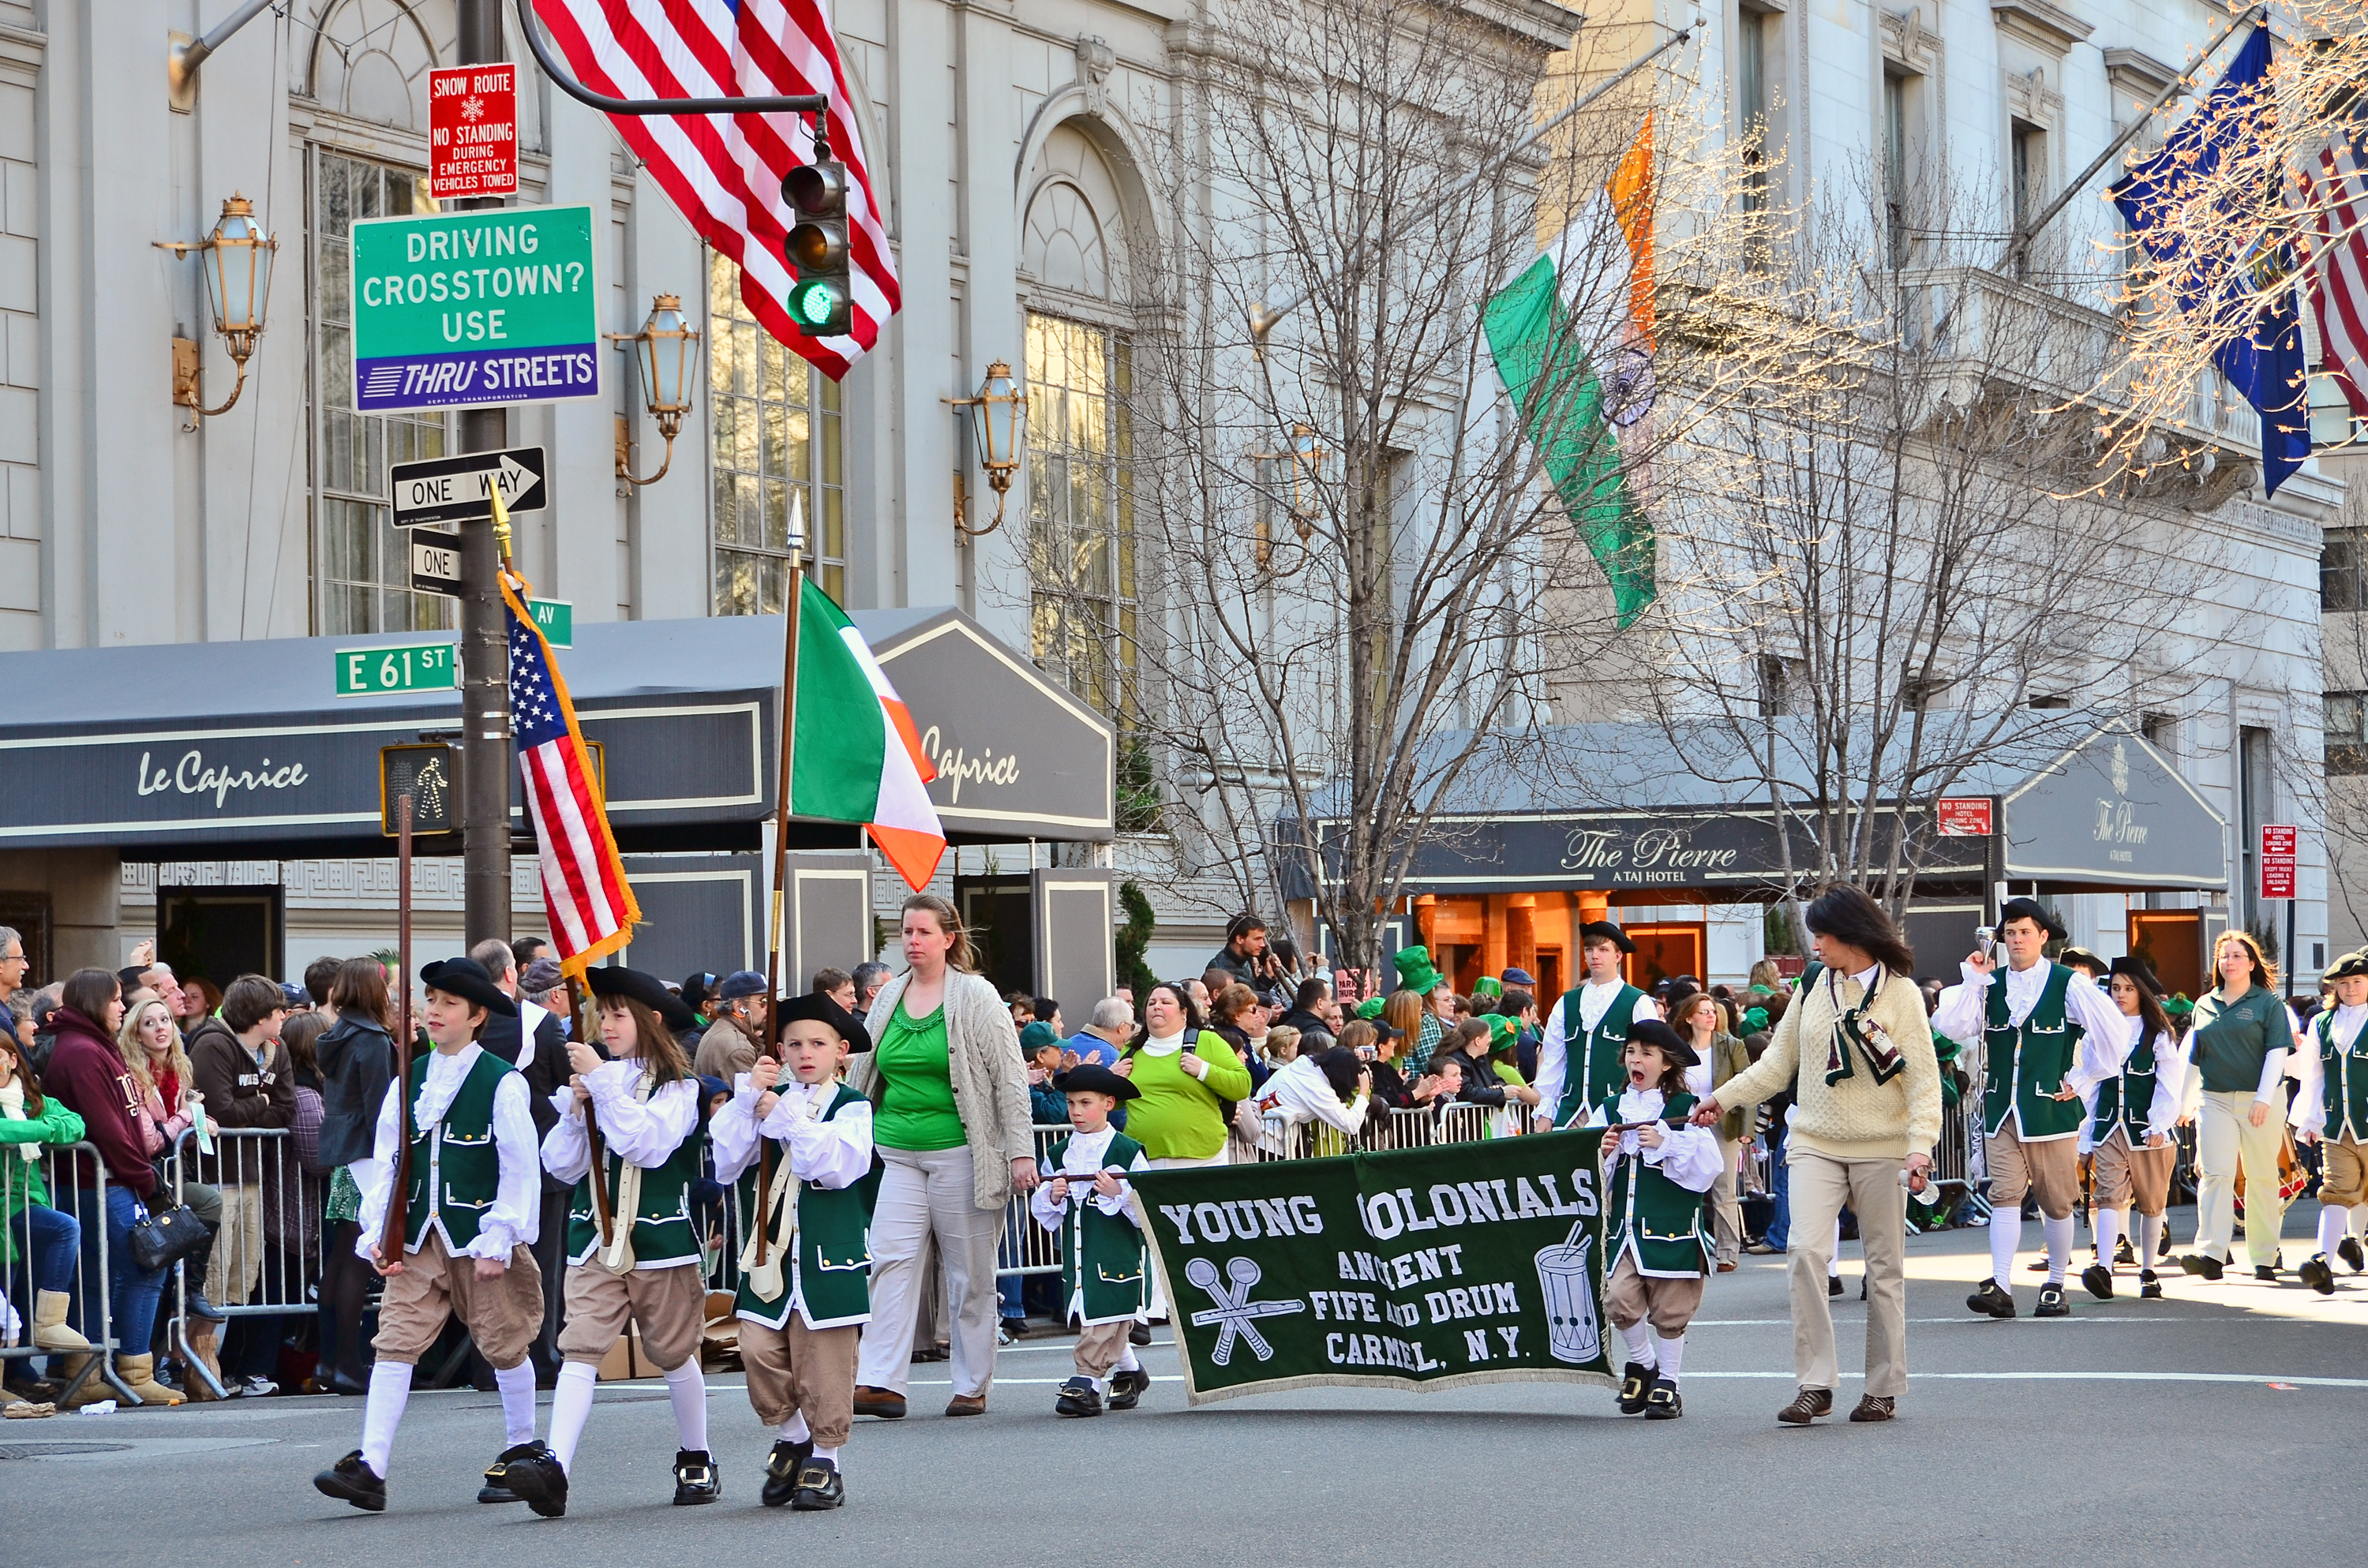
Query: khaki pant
(670, 1304)
(2050, 1170)
(2344, 1167)
(1631, 1297)
(1726, 1206)
(2225, 1136)
(2124, 1175)
(1820, 1186)
(925, 1195)
(1099, 1347)
(502, 1315)
(237, 1262)
(795, 1369)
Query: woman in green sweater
(1185, 1075)
(2242, 1035)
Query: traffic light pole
(484, 639)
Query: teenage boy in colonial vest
(472, 1205)
(1579, 1064)
(802, 1308)
(1087, 1204)
(647, 1106)
(2050, 1037)
(2332, 1111)
(1655, 1176)
(2133, 1116)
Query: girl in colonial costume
(2133, 1116)
(1656, 1169)
(646, 1269)
(805, 1288)
(1102, 1273)
(2332, 1111)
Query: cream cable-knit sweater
(1856, 1118)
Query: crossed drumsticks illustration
(1234, 1313)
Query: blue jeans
(133, 1292)
(49, 1241)
(1780, 1191)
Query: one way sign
(458, 490)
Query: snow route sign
(472, 132)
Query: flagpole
(782, 841)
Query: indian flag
(856, 756)
(1573, 341)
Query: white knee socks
(795, 1430)
(2109, 1234)
(1639, 1340)
(1671, 1355)
(2006, 1235)
(518, 1404)
(1126, 1361)
(571, 1405)
(2360, 1219)
(830, 1454)
(2149, 1241)
(2059, 1246)
(687, 1389)
(390, 1389)
(2331, 1221)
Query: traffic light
(821, 304)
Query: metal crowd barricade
(266, 1254)
(91, 1304)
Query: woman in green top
(2239, 1050)
(1185, 1074)
(949, 1095)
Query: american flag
(584, 894)
(725, 171)
(2338, 280)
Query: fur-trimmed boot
(49, 1330)
(138, 1373)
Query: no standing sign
(472, 132)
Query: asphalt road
(2220, 1424)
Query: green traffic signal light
(819, 307)
(820, 304)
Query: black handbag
(160, 1239)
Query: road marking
(2080, 1377)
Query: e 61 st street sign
(412, 666)
(458, 490)
(457, 309)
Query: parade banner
(1462, 1263)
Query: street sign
(410, 666)
(2277, 860)
(458, 490)
(430, 774)
(435, 568)
(555, 619)
(457, 310)
(1964, 817)
(472, 132)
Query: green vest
(663, 1231)
(2126, 1098)
(2347, 1081)
(1592, 1068)
(2027, 1063)
(830, 1279)
(1646, 1210)
(456, 1171)
(1101, 1255)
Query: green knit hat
(1415, 971)
(1501, 1030)
(1371, 1008)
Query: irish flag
(1573, 341)
(856, 756)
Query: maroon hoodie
(87, 1072)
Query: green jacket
(20, 1179)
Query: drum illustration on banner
(1572, 1331)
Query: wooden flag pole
(398, 1198)
(597, 1175)
(772, 1029)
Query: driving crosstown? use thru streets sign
(457, 310)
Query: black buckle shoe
(1128, 1385)
(1078, 1397)
(1833, 1284)
(2123, 1253)
(1140, 1334)
(781, 1467)
(2349, 1250)
(352, 1480)
(2149, 1288)
(1991, 1300)
(2099, 1281)
(696, 1479)
(496, 1488)
(540, 1480)
(1636, 1388)
(2050, 1302)
(820, 1486)
(2316, 1274)
(2204, 1267)
(1663, 1404)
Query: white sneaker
(257, 1387)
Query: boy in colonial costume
(2051, 1037)
(1579, 1063)
(1103, 1273)
(2133, 1116)
(473, 1199)
(646, 1269)
(802, 1306)
(2332, 1111)
(1657, 1172)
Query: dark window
(2340, 587)
(2347, 746)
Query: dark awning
(198, 750)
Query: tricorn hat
(646, 989)
(1608, 931)
(1654, 1032)
(2348, 965)
(1092, 1077)
(467, 979)
(2142, 974)
(2032, 910)
(2081, 958)
(820, 1009)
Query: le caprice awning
(203, 750)
(1602, 807)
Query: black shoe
(2039, 1266)
(1078, 1397)
(1128, 1385)
(2050, 1302)
(1833, 1284)
(2266, 1274)
(1862, 1286)
(2197, 1263)
(2123, 1253)
(26, 1386)
(2316, 1273)
(2347, 1249)
(2149, 1288)
(781, 1467)
(352, 1386)
(696, 1479)
(1139, 1334)
(2099, 1281)
(353, 1481)
(1014, 1328)
(496, 1488)
(819, 1487)
(1663, 1404)
(540, 1480)
(1807, 1407)
(1636, 1388)
(1991, 1300)
(1875, 1408)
